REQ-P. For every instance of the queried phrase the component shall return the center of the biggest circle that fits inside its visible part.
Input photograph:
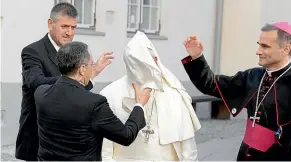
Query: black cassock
(269, 137)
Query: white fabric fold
(177, 120)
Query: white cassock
(170, 117)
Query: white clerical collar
(270, 72)
(53, 42)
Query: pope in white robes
(171, 121)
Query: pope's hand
(193, 47)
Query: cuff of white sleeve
(92, 81)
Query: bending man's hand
(141, 95)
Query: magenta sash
(259, 137)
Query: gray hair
(71, 56)
(283, 37)
(63, 9)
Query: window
(86, 12)
(143, 15)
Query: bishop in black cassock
(265, 94)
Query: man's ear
(81, 70)
(50, 24)
(287, 48)
(156, 59)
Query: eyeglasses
(92, 64)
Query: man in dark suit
(39, 66)
(72, 122)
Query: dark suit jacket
(39, 66)
(72, 122)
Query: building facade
(228, 29)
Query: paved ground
(218, 140)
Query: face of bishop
(272, 53)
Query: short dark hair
(283, 37)
(64, 9)
(71, 56)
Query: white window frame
(82, 25)
(140, 17)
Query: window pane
(128, 16)
(132, 16)
(88, 11)
(60, 1)
(154, 18)
(78, 5)
(145, 18)
(154, 3)
(146, 2)
(133, 1)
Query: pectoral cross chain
(147, 133)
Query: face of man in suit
(62, 29)
(85, 71)
(76, 62)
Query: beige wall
(272, 11)
(240, 31)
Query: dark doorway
(219, 110)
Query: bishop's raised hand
(193, 46)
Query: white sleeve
(189, 150)
(107, 150)
(92, 81)
(107, 147)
